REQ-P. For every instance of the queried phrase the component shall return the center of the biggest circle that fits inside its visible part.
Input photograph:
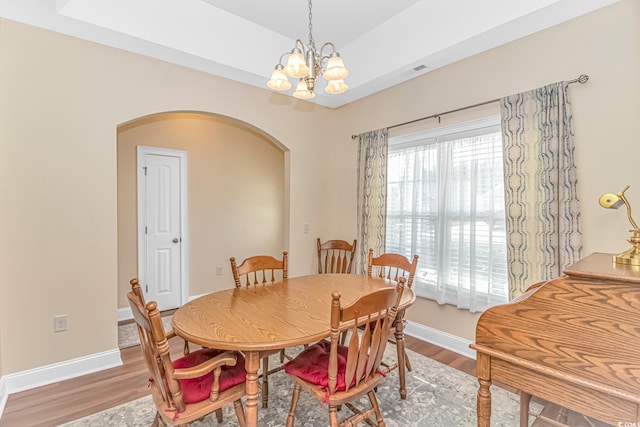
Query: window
(445, 203)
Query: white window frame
(461, 130)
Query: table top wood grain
(284, 314)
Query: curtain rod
(582, 79)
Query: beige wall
(62, 100)
(605, 45)
(235, 194)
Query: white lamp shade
(302, 92)
(296, 66)
(279, 80)
(335, 69)
(335, 87)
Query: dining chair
(393, 267)
(188, 388)
(338, 374)
(137, 290)
(261, 270)
(335, 256)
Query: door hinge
(146, 288)
(145, 229)
(145, 170)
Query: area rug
(438, 396)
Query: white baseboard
(125, 313)
(3, 395)
(439, 338)
(32, 378)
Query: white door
(161, 212)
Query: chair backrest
(259, 269)
(137, 290)
(392, 266)
(335, 256)
(365, 350)
(155, 348)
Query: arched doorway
(236, 195)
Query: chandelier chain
(312, 43)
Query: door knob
(175, 240)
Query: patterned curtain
(372, 195)
(541, 198)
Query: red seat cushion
(312, 365)
(198, 389)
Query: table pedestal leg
(399, 334)
(252, 364)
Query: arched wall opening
(237, 193)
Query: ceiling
(382, 42)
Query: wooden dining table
(260, 319)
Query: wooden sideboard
(574, 341)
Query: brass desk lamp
(614, 201)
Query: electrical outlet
(219, 270)
(60, 323)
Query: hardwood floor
(68, 400)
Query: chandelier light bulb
(296, 65)
(302, 92)
(279, 80)
(335, 87)
(335, 68)
(306, 63)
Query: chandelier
(306, 64)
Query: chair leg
(407, 362)
(376, 408)
(157, 421)
(219, 415)
(237, 405)
(294, 403)
(525, 398)
(282, 356)
(265, 382)
(563, 413)
(333, 416)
